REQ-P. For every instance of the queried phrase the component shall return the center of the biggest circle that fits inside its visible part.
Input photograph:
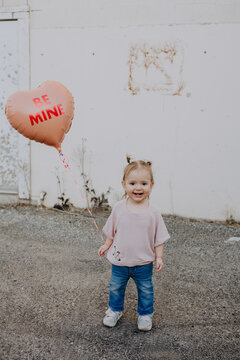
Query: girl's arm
(158, 250)
(105, 247)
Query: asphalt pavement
(54, 291)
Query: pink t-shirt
(135, 235)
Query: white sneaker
(111, 317)
(144, 322)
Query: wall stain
(156, 68)
(180, 89)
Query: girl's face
(138, 184)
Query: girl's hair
(132, 165)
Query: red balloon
(44, 114)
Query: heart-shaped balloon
(44, 114)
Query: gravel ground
(54, 292)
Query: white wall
(182, 115)
(119, 13)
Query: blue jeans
(142, 275)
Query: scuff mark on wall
(156, 68)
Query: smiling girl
(135, 233)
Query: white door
(9, 83)
(14, 76)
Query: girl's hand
(158, 264)
(102, 250)
(105, 247)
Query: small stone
(232, 240)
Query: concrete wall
(155, 79)
(105, 13)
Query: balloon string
(66, 165)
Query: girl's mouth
(138, 194)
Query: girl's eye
(144, 183)
(131, 183)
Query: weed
(231, 221)
(65, 203)
(100, 201)
(93, 200)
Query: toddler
(135, 234)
